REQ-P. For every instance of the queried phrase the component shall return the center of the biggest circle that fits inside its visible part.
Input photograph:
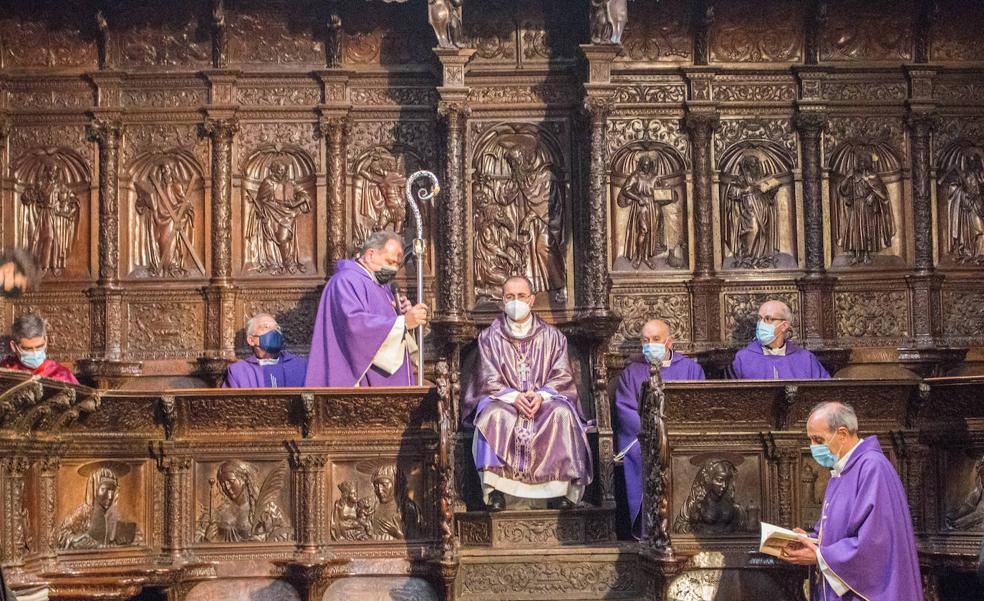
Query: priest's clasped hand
(528, 403)
(803, 553)
(415, 315)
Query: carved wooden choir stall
(176, 168)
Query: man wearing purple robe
(771, 356)
(269, 366)
(657, 347)
(362, 333)
(865, 546)
(530, 439)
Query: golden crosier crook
(423, 195)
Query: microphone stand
(423, 195)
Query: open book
(775, 539)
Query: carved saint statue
(711, 508)
(751, 216)
(969, 516)
(248, 512)
(608, 20)
(167, 210)
(645, 196)
(350, 518)
(394, 516)
(97, 521)
(333, 45)
(965, 210)
(445, 18)
(382, 204)
(52, 219)
(866, 224)
(272, 223)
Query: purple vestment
(627, 428)
(354, 318)
(797, 364)
(289, 372)
(540, 458)
(866, 533)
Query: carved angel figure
(711, 508)
(346, 523)
(97, 521)
(247, 513)
(272, 222)
(52, 219)
(969, 516)
(965, 210)
(645, 196)
(445, 17)
(751, 219)
(866, 224)
(168, 212)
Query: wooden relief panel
(741, 312)
(861, 30)
(649, 205)
(548, 30)
(67, 315)
(955, 33)
(278, 208)
(658, 32)
(390, 34)
(520, 202)
(716, 493)
(872, 316)
(960, 198)
(33, 36)
(378, 193)
(243, 501)
(166, 201)
(636, 306)
(963, 495)
(376, 500)
(160, 36)
(758, 208)
(756, 32)
(158, 329)
(492, 31)
(101, 504)
(963, 313)
(52, 210)
(274, 33)
(295, 310)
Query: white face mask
(517, 310)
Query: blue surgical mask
(272, 342)
(765, 333)
(654, 352)
(823, 455)
(33, 359)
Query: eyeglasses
(770, 319)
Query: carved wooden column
(705, 288)
(14, 533)
(47, 506)
(816, 289)
(335, 128)
(179, 519)
(309, 496)
(452, 210)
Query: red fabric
(48, 369)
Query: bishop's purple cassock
(678, 368)
(287, 372)
(543, 458)
(795, 363)
(359, 339)
(865, 533)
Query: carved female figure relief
(387, 514)
(97, 522)
(961, 184)
(969, 515)
(249, 510)
(165, 207)
(52, 218)
(711, 508)
(350, 520)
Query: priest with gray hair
(269, 365)
(771, 355)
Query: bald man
(270, 366)
(771, 356)
(657, 348)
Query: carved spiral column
(335, 129)
(309, 486)
(452, 214)
(14, 533)
(178, 510)
(785, 469)
(48, 502)
(595, 270)
(705, 287)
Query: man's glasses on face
(771, 320)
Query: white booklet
(776, 538)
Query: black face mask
(385, 275)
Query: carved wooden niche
(758, 211)
(379, 177)
(377, 500)
(866, 216)
(101, 505)
(717, 493)
(649, 202)
(241, 501)
(963, 494)
(960, 198)
(166, 237)
(52, 210)
(520, 212)
(278, 209)
(152, 35)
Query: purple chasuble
(865, 532)
(751, 363)
(289, 372)
(538, 458)
(354, 318)
(627, 429)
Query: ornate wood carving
(700, 126)
(221, 132)
(747, 32)
(107, 134)
(596, 250)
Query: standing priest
(657, 348)
(362, 334)
(530, 439)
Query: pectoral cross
(524, 374)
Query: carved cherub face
(231, 484)
(384, 489)
(106, 494)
